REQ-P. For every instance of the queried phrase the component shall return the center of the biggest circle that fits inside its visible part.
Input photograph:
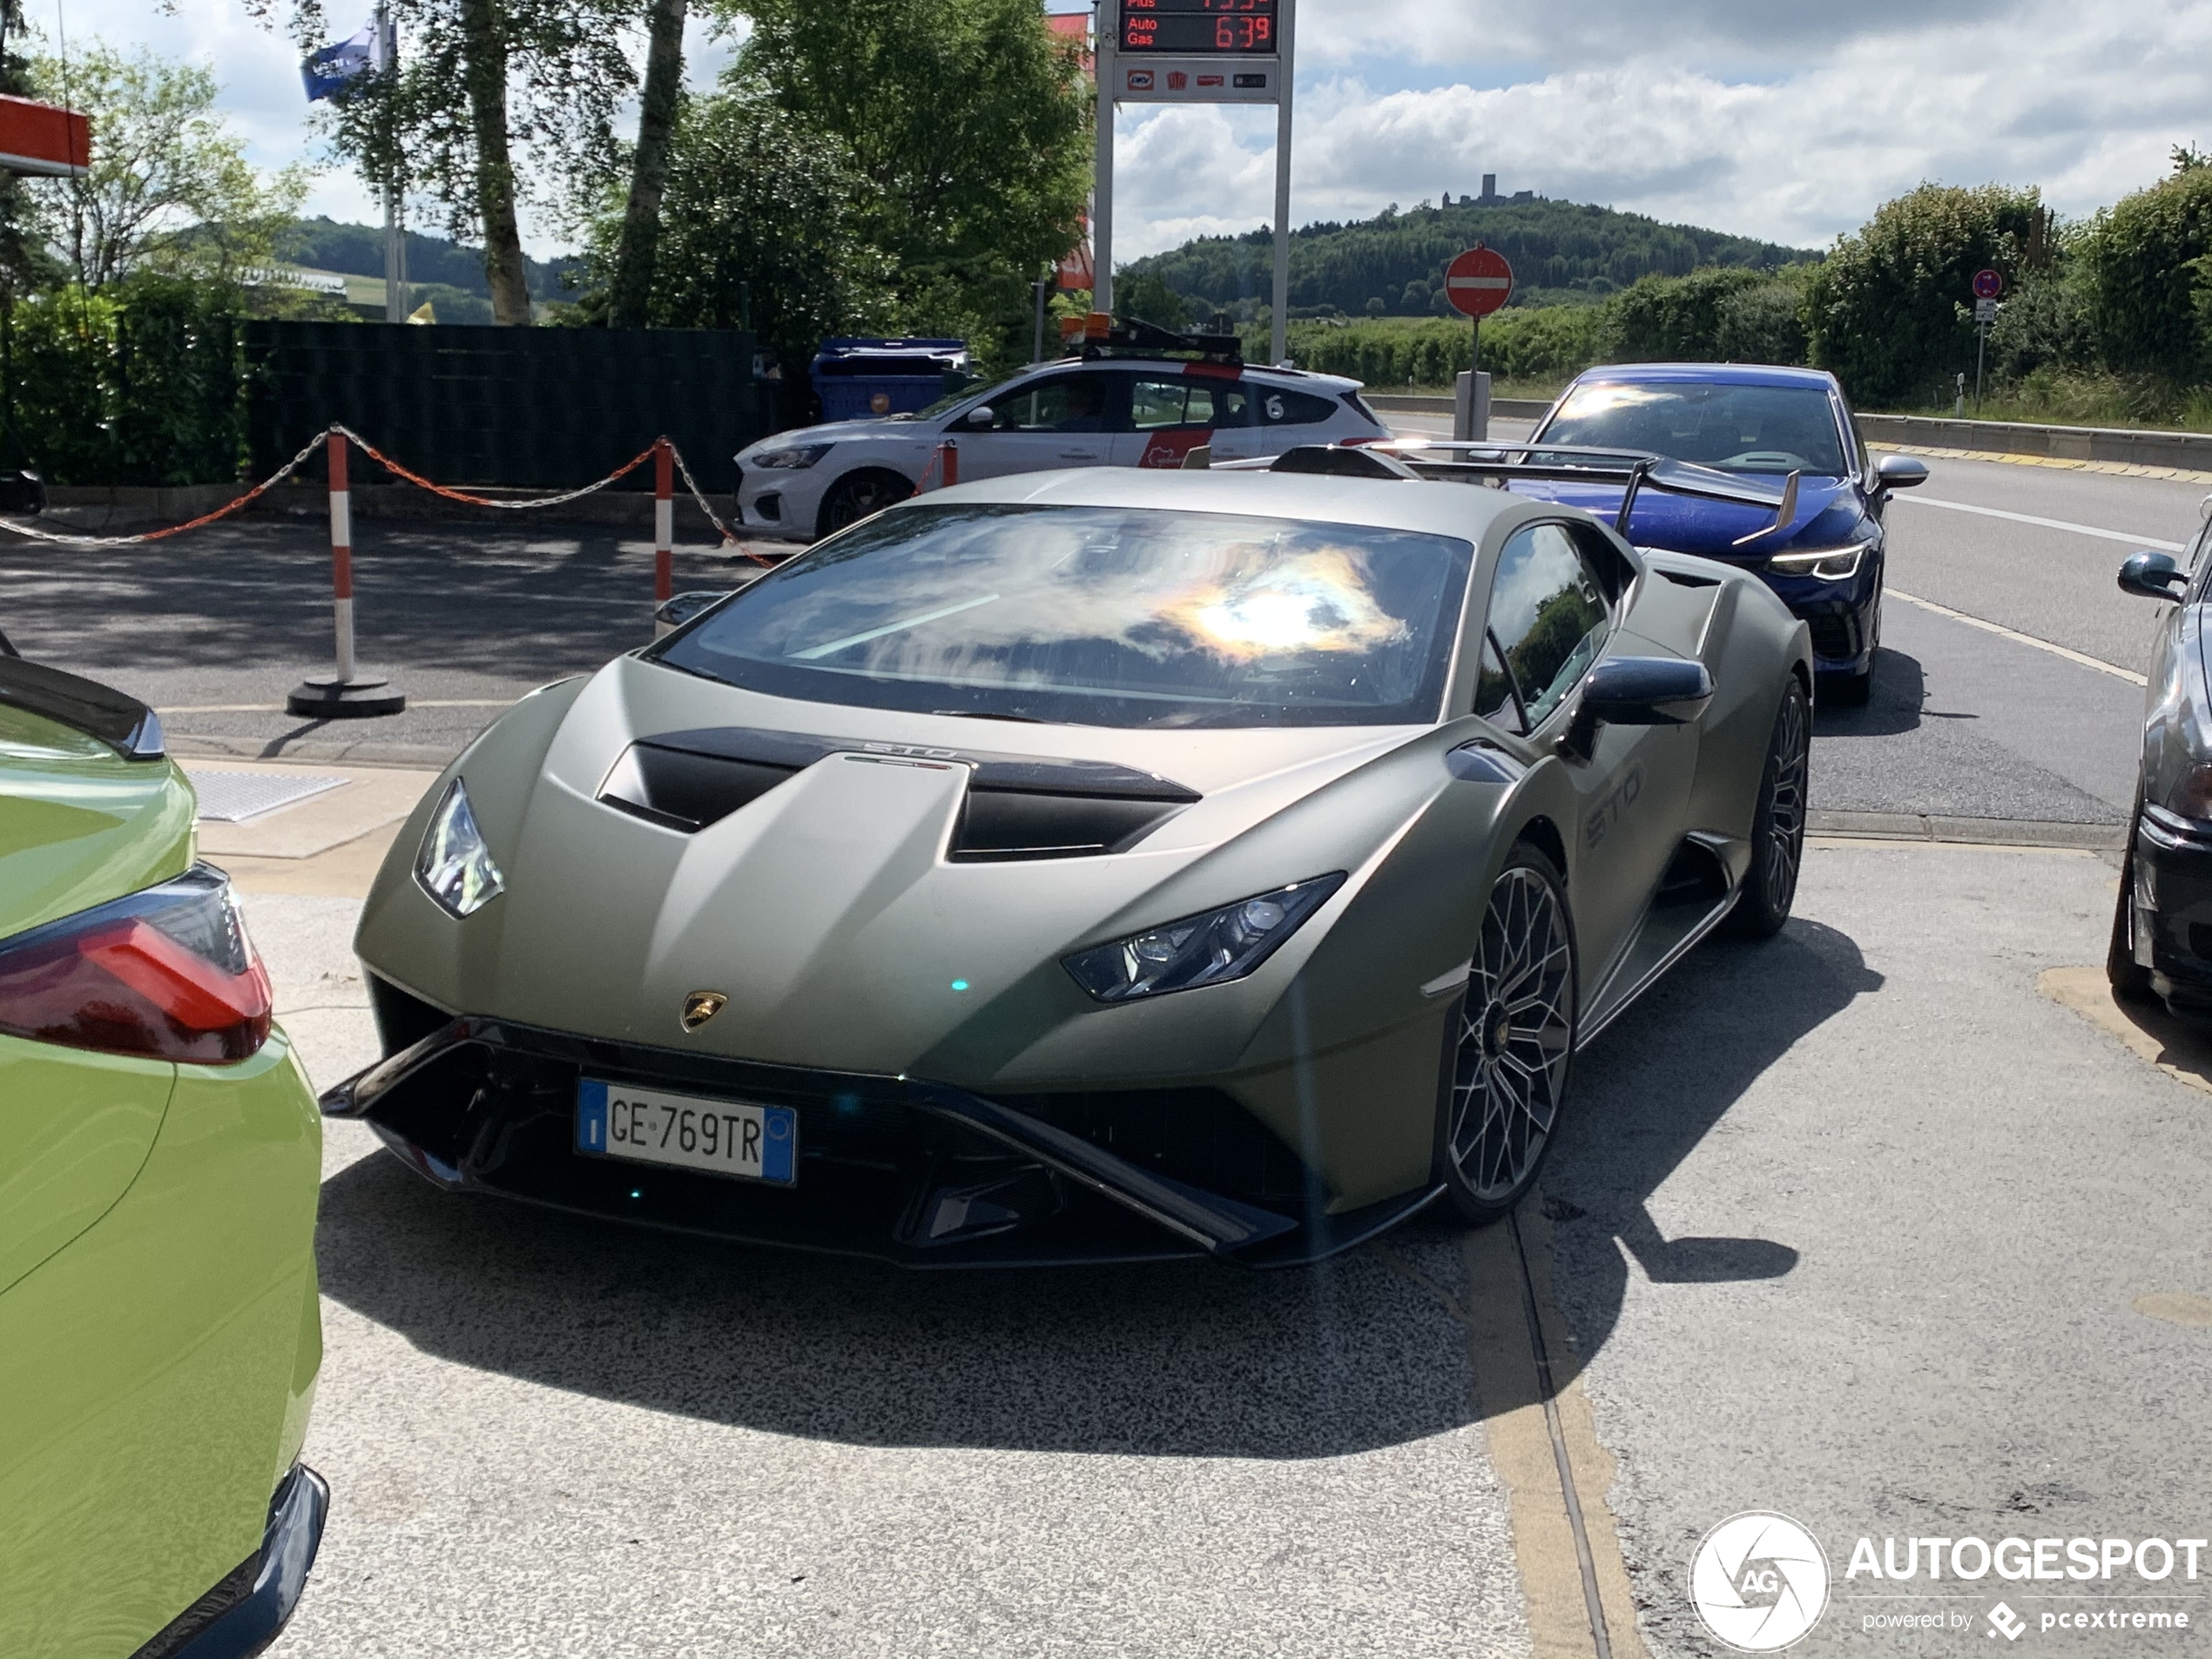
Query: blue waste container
(856, 379)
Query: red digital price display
(1198, 28)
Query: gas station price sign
(1199, 28)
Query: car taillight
(168, 972)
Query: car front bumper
(780, 503)
(2172, 897)
(241, 1616)
(898, 1169)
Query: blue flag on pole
(331, 68)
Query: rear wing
(125, 724)
(1500, 464)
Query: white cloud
(2083, 101)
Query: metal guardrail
(2191, 450)
(1503, 408)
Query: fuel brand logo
(1759, 1581)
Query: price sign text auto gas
(1198, 28)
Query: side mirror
(1901, 472)
(674, 613)
(2153, 575)
(980, 417)
(1636, 690)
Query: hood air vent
(1018, 807)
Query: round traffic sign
(1477, 281)
(1988, 285)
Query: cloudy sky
(1786, 119)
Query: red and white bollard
(663, 531)
(344, 696)
(943, 471)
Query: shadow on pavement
(1192, 1360)
(1900, 687)
(1653, 1087)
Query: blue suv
(1825, 562)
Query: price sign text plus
(1199, 28)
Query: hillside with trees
(1392, 264)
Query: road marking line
(2046, 523)
(2018, 638)
(278, 708)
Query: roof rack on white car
(1495, 463)
(1133, 337)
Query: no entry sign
(1477, 281)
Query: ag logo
(1759, 1581)
(700, 1007)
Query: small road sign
(1988, 285)
(1477, 281)
(1985, 312)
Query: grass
(2094, 398)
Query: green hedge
(140, 383)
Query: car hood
(1828, 510)
(827, 911)
(840, 432)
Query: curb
(1984, 832)
(436, 757)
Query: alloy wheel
(1516, 1036)
(1786, 824)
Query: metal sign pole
(1279, 335)
(1981, 351)
(1102, 212)
(387, 49)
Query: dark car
(2162, 929)
(1826, 562)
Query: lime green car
(160, 1156)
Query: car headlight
(453, 865)
(1830, 563)
(793, 455)
(2191, 793)
(1208, 950)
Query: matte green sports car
(1095, 865)
(159, 1162)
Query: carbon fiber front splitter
(898, 1169)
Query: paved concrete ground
(1848, 1225)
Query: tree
(2145, 270)
(1888, 310)
(493, 102)
(760, 229)
(169, 186)
(968, 123)
(631, 290)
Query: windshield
(1742, 428)
(949, 402)
(1100, 616)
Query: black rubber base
(335, 699)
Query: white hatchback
(1105, 412)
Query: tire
(1856, 690)
(1511, 1043)
(1777, 821)
(852, 498)
(2130, 979)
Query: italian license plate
(721, 1136)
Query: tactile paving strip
(234, 797)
